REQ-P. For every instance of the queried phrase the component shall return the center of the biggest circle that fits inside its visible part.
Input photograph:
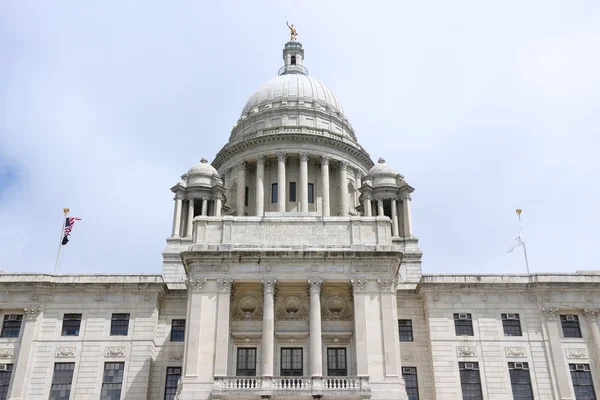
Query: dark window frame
(520, 381)
(274, 193)
(11, 326)
(463, 327)
(112, 382)
(411, 382)
(292, 192)
(71, 325)
(245, 361)
(512, 326)
(293, 363)
(470, 381)
(405, 330)
(5, 378)
(246, 196)
(338, 365)
(293, 60)
(62, 379)
(571, 328)
(582, 381)
(119, 324)
(172, 379)
(178, 327)
(311, 193)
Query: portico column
(369, 207)
(303, 182)
(561, 370)
(268, 331)
(592, 320)
(177, 219)
(358, 186)
(360, 327)
(394, 218)
(241, 189)
(406, 222)
(20, 382)
(204, 207)
(316, 358)
(190, 221)
(281, 201)
(218, 205)
(325, 183)
(222, 344)
(380, 208)
(366, 206)
(343, 189)
(260, 185)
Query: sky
(484, 107)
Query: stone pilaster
(260, 186)
(561, 370)
(360, 327)
(303, 182)
(192, 328)
(316, 343)
(591, 316)
(281, 181)
(389, 328)
(223, 334)
(268, 333)
(19, 387)
(325, 185)
(343, 189)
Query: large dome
(294, 88)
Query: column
(395, 231)
(343, 189)
(561, 369)
(192, 327)
(366, 206)
(360, 327)
(281, 200)
(303, 182)
(591, 316)
(218, 205)
(177, 220)
(380, 208)
(406, 222)
(190, 220)
(325, 183)
(358, 186)
(260, 186)
(316, 349)
(389, 328)
(369, 207)
(268, 332)
(222, 344)
(241, 189)
(19, 381)
(204, 207)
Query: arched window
(293, 60)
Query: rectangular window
(291, 362)
(570, 326)
(173, 375)
(292, 191)
(405, 330)
(470, 381)
(336, 362)
(112, 380)
(119, 325)
(11, 327)
(511, 324)
(61, 381)
(71, 324)
(274, 193)
(463, 324)
(246, 361)
(5, 375)
(520, 381)
(246, 196)
(410, 379)
(582, 381)
(177, 330)
(311, 193)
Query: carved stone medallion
(292, 309)
(515, 351)
(466, 351)
(247, 309)
(336, 308)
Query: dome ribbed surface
(203, 168)
(293, 87)
(382, 168)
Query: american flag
(69, 222)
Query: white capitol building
(292, 272)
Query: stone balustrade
(291, 232)
(338, 386)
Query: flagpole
(519, 211)
(62, 232)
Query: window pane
(410, 378)
(581, 376)
(336, 362)
(570, 326)
(112, 381)
(71, 324)
(61, 381)
(511, 325)
(246, 362)
(119, 325)
(292, 191)
(291, 362)
(177, 330)
(520, 381)
(463, 324)
(311, 193)
(274, 193)
(173, 375)
(5, 375)
(11, 326)
(470, 381)
(405, 330)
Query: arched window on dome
(293, 61)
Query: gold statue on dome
(293, 31)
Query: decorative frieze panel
(515, 352)
(7, 353)
(246, 308)
(550, 313)
(66, 351)
(291, 340)
(466, 351)
(114, 352)
(292, 308)
(576, 353)
(176, 355)
(336, 308)
(238, 341)
(337, 340)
